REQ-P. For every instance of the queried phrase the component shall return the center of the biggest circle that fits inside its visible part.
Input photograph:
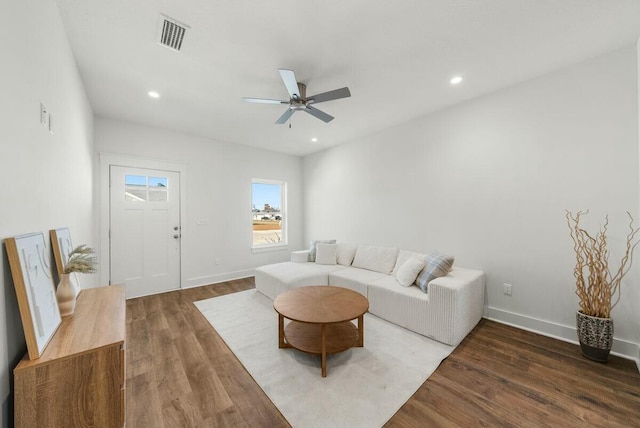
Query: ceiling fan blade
(319, 114)
(264, 101)
(285, 116)
(289, 79)
(331, 95)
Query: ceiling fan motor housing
(302, 88)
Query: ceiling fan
(298, 99)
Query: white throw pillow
(405, 255)
(409, 271)
(326, 254)
(312, 254)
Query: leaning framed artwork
(61, 246)
(31, 271)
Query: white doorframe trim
(108, 159)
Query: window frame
(284, 243)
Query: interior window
(268, 209)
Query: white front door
(144, 230)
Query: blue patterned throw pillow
(436, 265)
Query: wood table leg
(324, 350)
(360, 331)
(281, 342)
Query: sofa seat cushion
(354, 279)
(405, 306)
(272, 280)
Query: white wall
(637, 296)
(47, 180)
(218, 190)
(489, 181)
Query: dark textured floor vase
(595, 335)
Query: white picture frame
(32, 277)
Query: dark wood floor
(181, 374)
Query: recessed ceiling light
(455, 80)
(154, 94)
(314, 139)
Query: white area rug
(364, 387)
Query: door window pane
(135, 180)
(158, 189)
(158, 195)
(157, 182)
(135, 188)
(140, 188)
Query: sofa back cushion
(346, 253)
(377, 259)
(405, 255)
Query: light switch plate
(44, 116)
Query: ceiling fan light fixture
(298, 100)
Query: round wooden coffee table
(321, 320)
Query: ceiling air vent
(171, 32)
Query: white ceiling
(395, 56)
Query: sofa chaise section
(275, 279)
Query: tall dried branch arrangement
(81, 260)
(596, 286)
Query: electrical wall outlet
(507, 289)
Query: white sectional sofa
(447, 312)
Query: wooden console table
(78, 381)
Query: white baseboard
(621, 348)
(214, 279)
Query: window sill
(270, 248)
